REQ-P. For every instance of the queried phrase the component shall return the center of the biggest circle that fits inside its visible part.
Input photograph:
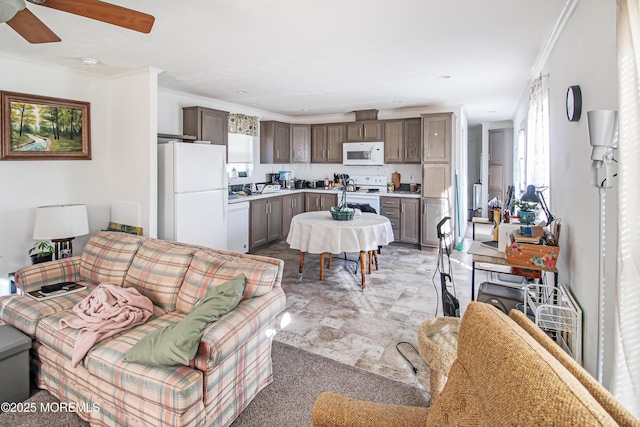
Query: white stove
(369, 188)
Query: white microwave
(363, 153)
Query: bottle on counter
(390, 187)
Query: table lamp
(534, 195)
(61, 224)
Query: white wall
(584, 55)
(123, 148)
(29, 184)
(134, 142)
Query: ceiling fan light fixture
(90, 62)
(9, 8)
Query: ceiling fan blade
(31, 28)
(105, 12)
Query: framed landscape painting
(42, 128)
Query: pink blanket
(107, 310)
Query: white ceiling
(314, 57)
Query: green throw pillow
(177, 344)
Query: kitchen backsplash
(409, 173)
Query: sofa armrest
(33, 277)
(333, 410)
(226, 335)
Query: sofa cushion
(157, 271)
(24, 312)
(177, 344)
(176, 388)
(502, 376)
(107, 256)
(210, 269)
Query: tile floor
(336, 319)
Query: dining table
(318, 233)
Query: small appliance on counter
(270, 188)
(286, 179)
(300, 184)
(273, 178)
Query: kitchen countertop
(406, 194)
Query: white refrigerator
(193, 194)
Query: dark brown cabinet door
(266, 221)
(433, 210)
(409, 220)
(274, 218)
(258, 232)
(292, 205)
(328, 200)
(437, 138)
(275, 142)
(326, 143)
(300, 143)
(364, 131)
(206, 124)
(412, 138)
(319, 144)
(335, 138)
(312, 202)
(394, 142)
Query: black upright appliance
(450, 304)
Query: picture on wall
(43, 128)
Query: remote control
(51, 288)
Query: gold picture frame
(44, 128)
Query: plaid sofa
(233, 362)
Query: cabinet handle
(405, 153)
(360, 132)
(278, 153)
(399, 152)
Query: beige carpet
(299, 377)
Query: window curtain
(537, 143)
(243, 124)
(626, 371)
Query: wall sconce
(61, 224)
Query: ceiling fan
(25, 23)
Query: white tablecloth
(318, 232)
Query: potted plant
(41, 252)
(527, 211)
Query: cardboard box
(530, 255)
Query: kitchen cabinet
(326, 143)
(265, 221)
(275, 143)
(300, 143)
(319, 202)
(436, 131)
(436, 180)
(432, 211)
(292, 205)
(206, 124)
(404, 215)
(364, 131)
(410, 220)
(437, 177)
(402, 141)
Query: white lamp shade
(60, 222)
